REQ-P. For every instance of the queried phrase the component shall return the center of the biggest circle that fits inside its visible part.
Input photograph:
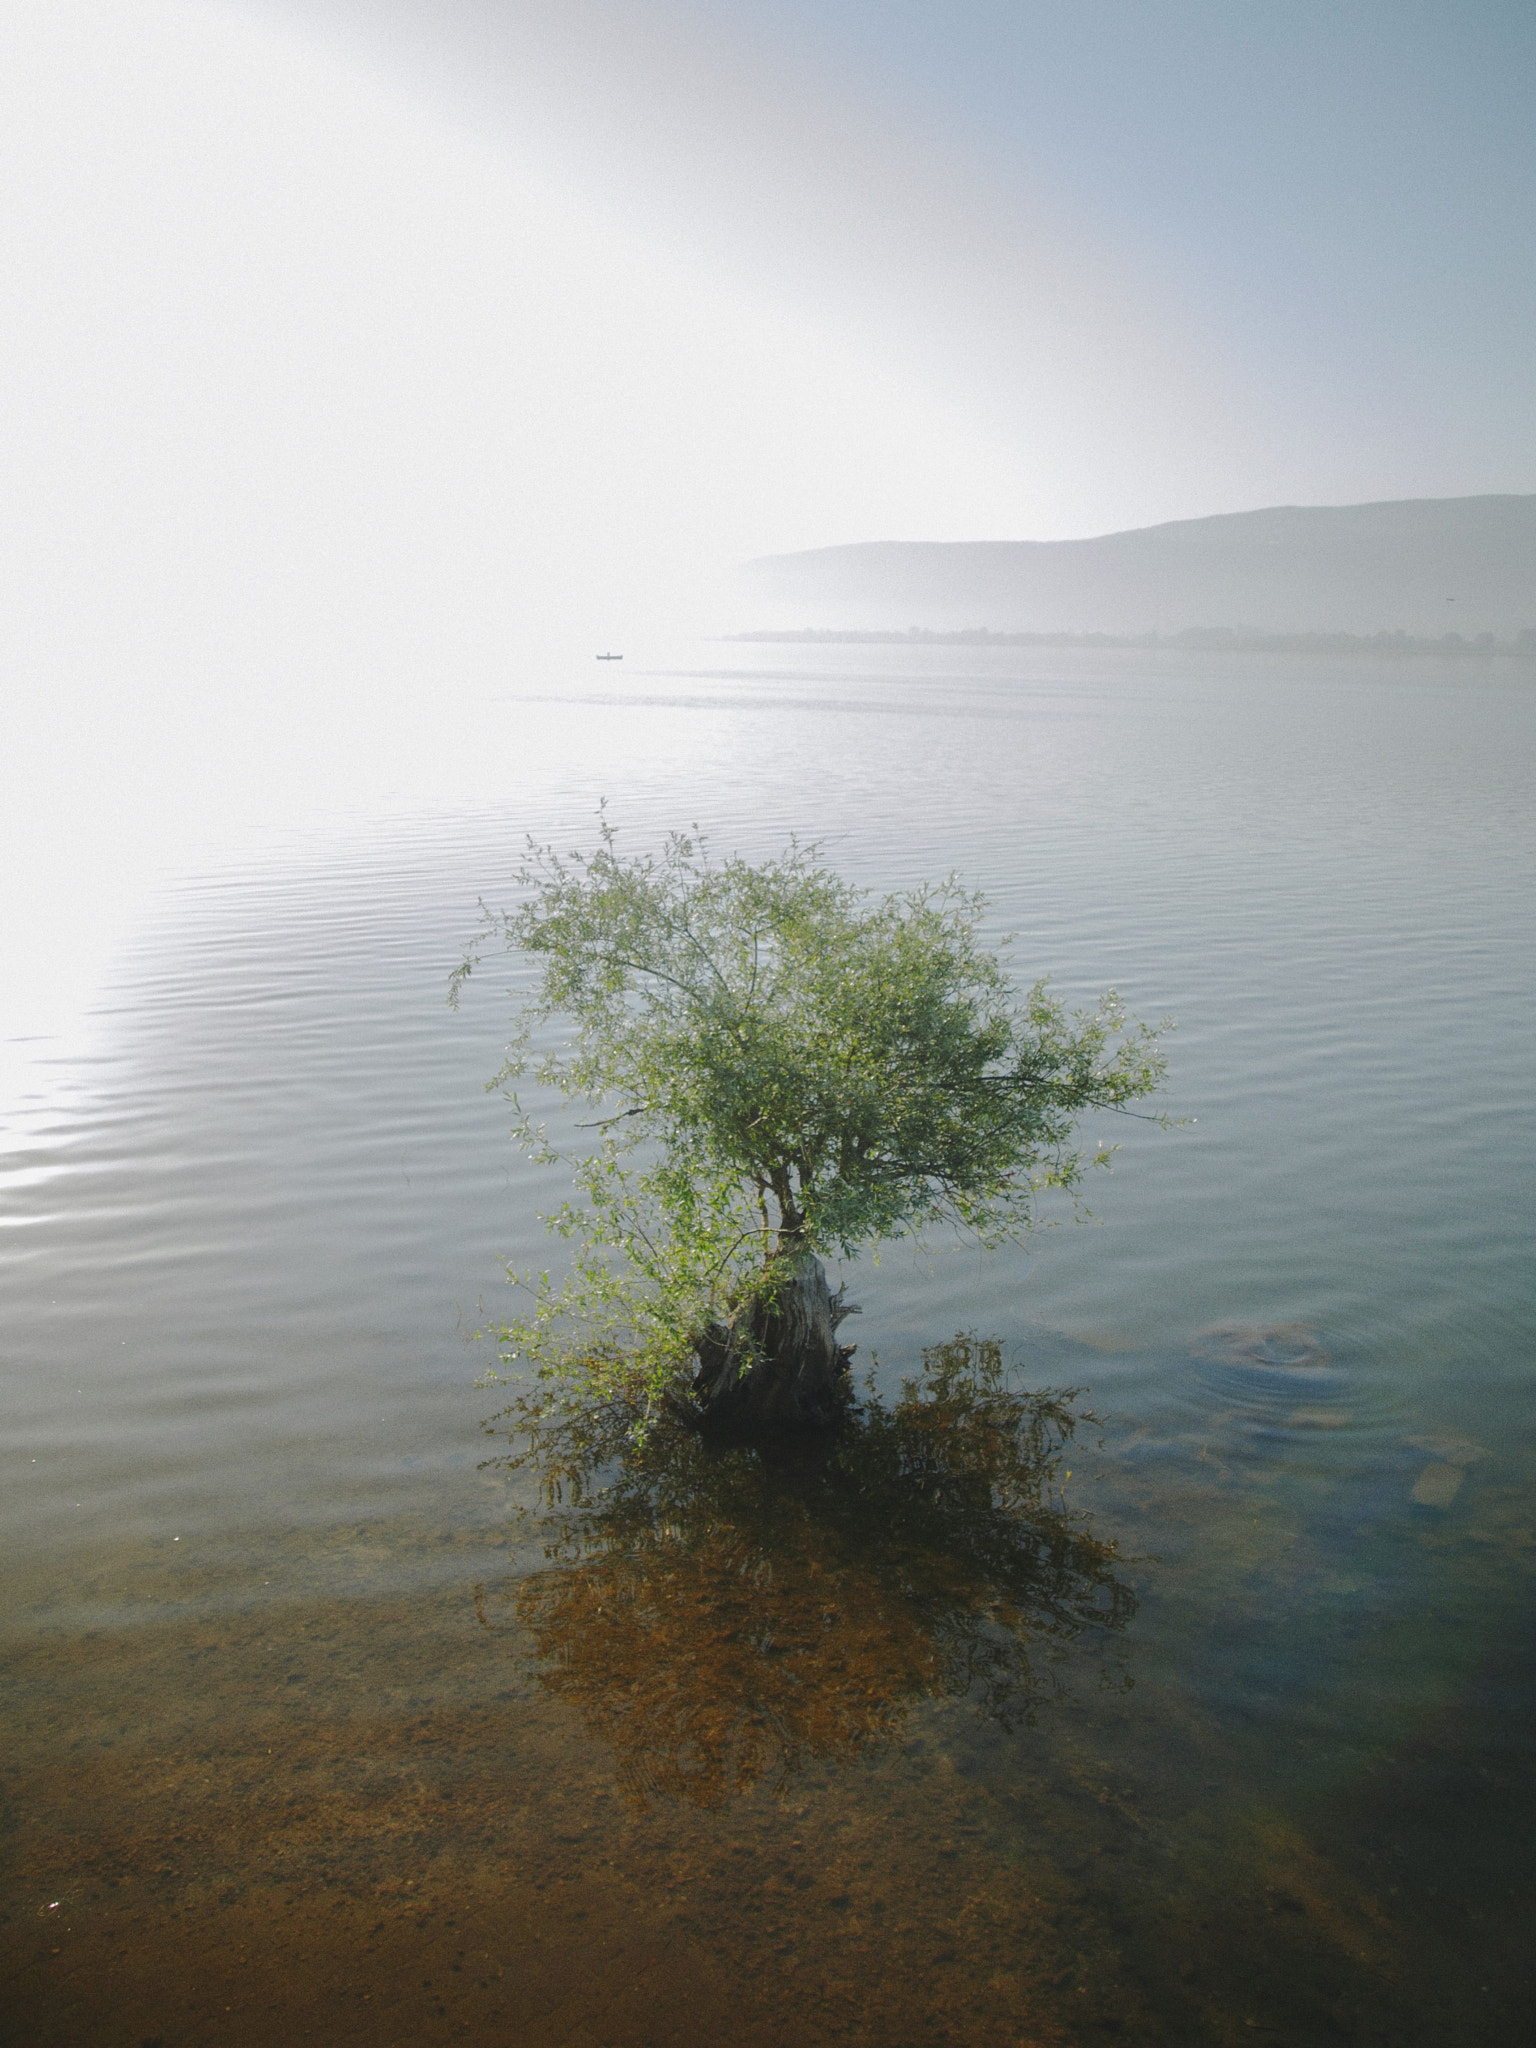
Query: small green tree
(783, 1067)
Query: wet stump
(778, 1364)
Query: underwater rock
(1438, 1485)
(1450, 1447)
(1282, 1347)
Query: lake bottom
(380, 1819)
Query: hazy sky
(354, 351)
(1168, 258)
(328, 287)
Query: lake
(321, 1725)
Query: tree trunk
(779, 1364)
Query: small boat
(610, 657)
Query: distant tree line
(1219, 639)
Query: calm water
(321, 1726)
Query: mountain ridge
(1422, 566)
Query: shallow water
(303, 1740)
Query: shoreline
(1198, 639)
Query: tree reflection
(721, 1615)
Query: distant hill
(1423, 566)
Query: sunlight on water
(317, 1708)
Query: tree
(784, 1067)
